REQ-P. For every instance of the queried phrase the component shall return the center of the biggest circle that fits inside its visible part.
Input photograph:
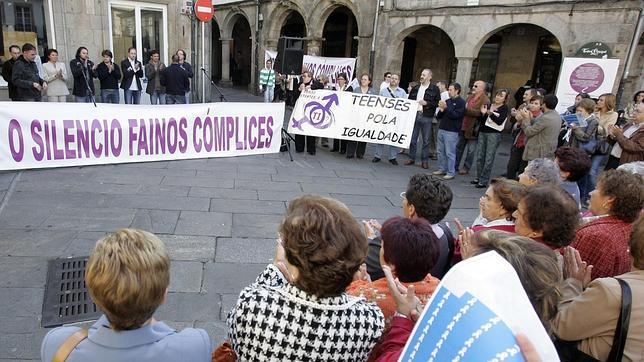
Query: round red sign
(204, 10)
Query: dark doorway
(215, 61)
(340, 34)
(428, 47)
(517, 53)
(241, 53)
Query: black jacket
(6, 74)
(23, 75)
(77, 68)
(108, 80)
(175, 80)
(129, 74)
(432, 97)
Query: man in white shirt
(427, 95)
(386, 81)
(132, 74)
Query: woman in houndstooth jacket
(297, 309)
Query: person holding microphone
(83, 71)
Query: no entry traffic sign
(204, 10)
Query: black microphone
(202, 68)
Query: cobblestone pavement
(217, 216)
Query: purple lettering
(116, 144)
(196, 140)
(183, 142)
(269, 131)
(230, 130)
(143, 139)
(68, 125)
(38, 155)
(82, 138)
(58, 153)
(207, 133)
(160, 135)
(17, 154)
(97, 147)
(133, 136)
(172, 135)
(252, 140)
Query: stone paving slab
(156, 221)
(245, 250)
(204, 223)
(239, 206)
(23, 272)
(186, 276)
(191, 248)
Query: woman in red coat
(603, 242)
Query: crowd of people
(31, 79)
(343, 290)
(463, 134)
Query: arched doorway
(215, 56)
(517, 53)
(428, 47)
(241, 52)
(294, 26)
(340, 34)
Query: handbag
(568, 351)
(603, 146)
(589, 146)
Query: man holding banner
(427, 95)
(393, 91)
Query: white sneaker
(448, 177)
(438, 173)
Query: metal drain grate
(67, 299)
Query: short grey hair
(633, 167)
(544, 171)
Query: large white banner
(330, 67)
(40, 135)
(354, 116)
(585, 75)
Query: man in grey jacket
(543, 133)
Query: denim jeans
(422, 126)
(85, 99)
(175, 99)
(269, 94)
(433, 141)
(595, 169)
(487, 144)
(132, 96)
(110, 96)
(157, 97)
(446, 150)
(393, 151)
(469, 148)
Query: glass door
(140, 25)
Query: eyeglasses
(403, 195)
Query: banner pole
(203, 61)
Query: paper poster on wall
(585, 75)
(474, 315)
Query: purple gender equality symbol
(317, 114)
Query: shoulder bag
(568, 351)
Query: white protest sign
(353, 116)
(585, 75)
(474, 314)
(330, 67)
(40, 135)
(270, 55)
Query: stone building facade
(504, 42)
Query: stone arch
(229, 21)
(279, 16)
(510, 55)
(323, 10)
(491, 28)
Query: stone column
(314, 46)
(464, 73)
(225, 63)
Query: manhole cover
(67, 299)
